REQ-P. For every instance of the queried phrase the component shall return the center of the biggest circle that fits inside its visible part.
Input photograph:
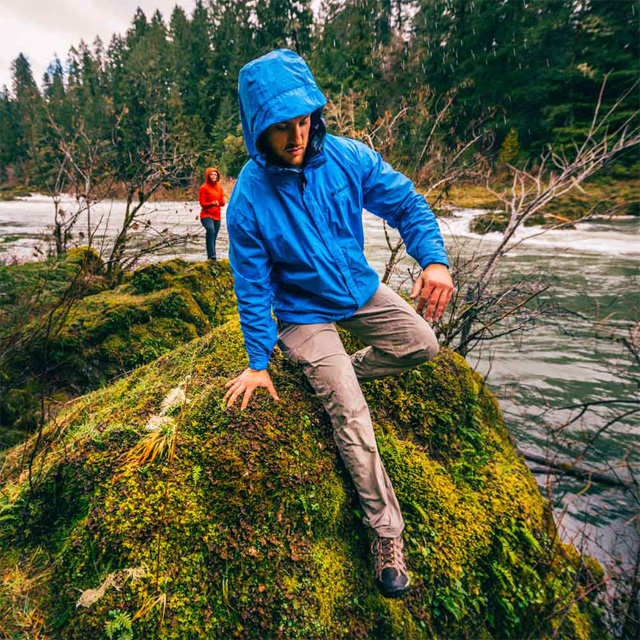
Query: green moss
(87, 257)
(402, 624)
(36, 285)
(156, 276)
(535, 221)
(251, 529)
(489, 222)
(331, 575)
(110, 332)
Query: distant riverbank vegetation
(450, 91)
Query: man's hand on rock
(435, 288)
(247, 382)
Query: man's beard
(273, 158)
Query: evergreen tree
(284, 24)
(138, 29)
(180, 37)
(144, 85)
(114, 71)
(344, 55)
(538, 64)
(55, 94)
(233, 45)
(9, 134)
(58, 120)
(605, 42)
(29, 125)
(199, 60)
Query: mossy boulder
(151, 511)
(536, 220)
(34, 286)
(75, 345)
(489, 222)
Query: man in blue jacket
(296, 244)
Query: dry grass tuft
(20, 585)
(116, 580)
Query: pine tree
(283, 24)
(9, 135)
(29, 125)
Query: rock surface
(155, 513)
(81, 334)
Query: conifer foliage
(538, 65)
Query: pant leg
(398, 338)
(216, 231)
(318, 348)
(208, 224)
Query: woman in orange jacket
(211, 198)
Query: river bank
(611, 195)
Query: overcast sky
(41, 28)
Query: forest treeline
(513, 76)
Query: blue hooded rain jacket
(296, 240)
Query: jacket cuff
(258, 364)
(435, 258)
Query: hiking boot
(392, 577)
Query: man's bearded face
(288, 140)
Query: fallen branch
(570, 469)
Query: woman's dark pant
(212, 227)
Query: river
(594, 270)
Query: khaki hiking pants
(398, 339)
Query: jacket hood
(208, 171)
(274, 88)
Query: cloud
(42, 29)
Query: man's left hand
(435, 288)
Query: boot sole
(394, 594)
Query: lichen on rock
(249, 524)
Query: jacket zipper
(303, 182)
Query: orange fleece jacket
(210, 194)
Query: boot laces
(388, 553)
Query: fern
(119, 627)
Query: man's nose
(297, 135)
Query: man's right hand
(247, 382)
